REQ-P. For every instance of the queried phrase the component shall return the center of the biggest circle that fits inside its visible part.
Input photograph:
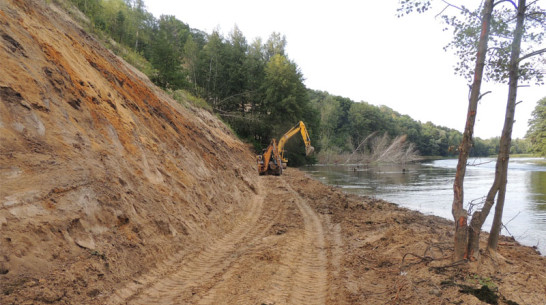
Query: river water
(428, 187)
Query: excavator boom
(300, 127)
(272, 160)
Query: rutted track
(278, 253)
(304, 279)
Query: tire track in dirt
(280, 252)
(335, 255)
(303, 278)
(243, 281)
(183, 275)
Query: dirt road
(280, 252)
(301, 242)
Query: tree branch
(449, 4)
(484, 94)
(536, 13)
(533, 2)
(494, 49)
(513, 3)
(537, 52)
(440, 13)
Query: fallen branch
(455, 264)
(422, 259)
(359, 145)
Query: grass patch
(133, 58)
(186, 98)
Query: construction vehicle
(272, 160)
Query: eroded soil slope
(101, 174)
(111, 193)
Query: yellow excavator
(272, 160)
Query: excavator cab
(270, 162)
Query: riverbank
(392, 254)
(428, 187)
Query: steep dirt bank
(111, 193)
(102, 175)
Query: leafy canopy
(537, 128)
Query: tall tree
(276, 44)
(211, 67)
(235, 75)
(167, 50)
(537, 128)
(505, 65)
(191, 59)
(285, 97)
(460, 214)
(501, 170)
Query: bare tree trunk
(506, 138)
(459, 213)
(478, 218)
(136, 41)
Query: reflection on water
(428, 187)
(537, 195)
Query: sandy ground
(304, 243)
(112, 193)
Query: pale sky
(359, 49)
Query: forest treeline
(344, 124)
(255, 87)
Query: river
(428, 187)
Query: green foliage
(537, 128)
(184, 98)
(255, 87)
(466, 26)
(483, 281)
(344, 124)
(284, 94)
(135, 59)
(166, 52)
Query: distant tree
(285, 97)
(365, 119)
(138, 17)
(235, 76)
(520, 146)
(167, 50)
(191, 60)
(276, 44)
(120, 25)
(537, 128)
(211, 67)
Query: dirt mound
(102, 175)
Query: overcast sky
(360, 50)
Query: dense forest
(255, 87)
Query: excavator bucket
(309, 150)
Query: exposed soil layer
(112, 193)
